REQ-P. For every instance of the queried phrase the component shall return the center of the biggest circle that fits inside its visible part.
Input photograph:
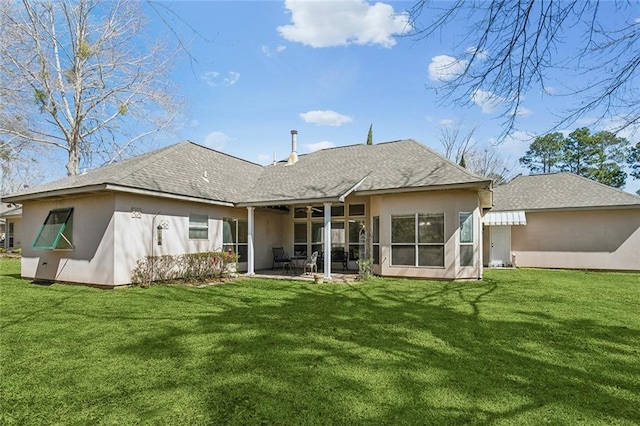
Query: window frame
(461, 244)
(64, 232)
(237, 246)
(198, 226)
(417, 242)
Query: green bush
(192, 267)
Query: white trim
(250, 254)
(327, 241)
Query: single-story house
(413, 212)
(561, 220)
(10, 217)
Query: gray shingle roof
(330, 173)
(177, 169)
(326, 174)
(558, 191)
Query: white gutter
(353, 188)
(111, 187)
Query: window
(198, 227)
(337, 211)
(10, 234)
(300, 239)
(355, 226)
(376, 240)
(356, 209)
(417, 240)
(235, 237)
(56, 232)
(466, 239)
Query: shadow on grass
(357, 356)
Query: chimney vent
(293, 157)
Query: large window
(417, 240)
(466, 239)
(235, 237)
(56, 232)
(198, 227)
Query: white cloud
(344, 22)
(269, 52)
(194, 123)
(215, 79)
(325, 118)
(447, 123)
(549, 90)
(637, 21)
(488, 101)
(216, 140)
(523, 112)
(312, 147)
(481, 54)
(515, 145)
(446, 68)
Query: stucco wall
(91, 260)
(448, 202)
(597, 239)
(137, 234)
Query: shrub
(193, 267)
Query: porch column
(327, 241)
(250, 253)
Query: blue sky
(329, 69)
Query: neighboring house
(10, 235)
(562, 220)
(411, 210)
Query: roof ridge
(146, 160)
(220, 152)
(464, 169)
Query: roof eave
(485, 184)
(580, 208)
(110, 187)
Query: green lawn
(520, 347)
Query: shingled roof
(184, 169)
(331, 173)
(190, 170)
(554, 191)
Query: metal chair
(280, 257)
(311, 263)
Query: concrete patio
(345, 277)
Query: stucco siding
(596, 239)
(91, 260)
(138, 218)
(451, 203)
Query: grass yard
(520, 347)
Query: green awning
(55, 233)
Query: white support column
(327, 241)
(250, 251)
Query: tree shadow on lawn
(324, 356)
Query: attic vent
(205, 176)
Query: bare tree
(77, 75)
(456, 143)
(513, 46)
(485, 161)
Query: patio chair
(311, 264)
(280, 257)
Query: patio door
(500, 246)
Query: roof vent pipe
(293, 157)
